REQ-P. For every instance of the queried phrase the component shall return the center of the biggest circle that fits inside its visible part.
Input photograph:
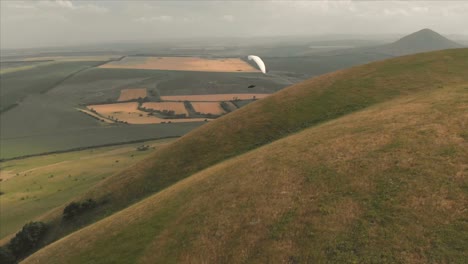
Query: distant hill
(364, 165)
(420, 41)
(311, 64)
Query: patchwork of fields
(177, 109)
(46, 100)
(182, 64)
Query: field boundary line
(86, 148)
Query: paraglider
(251, 86)
(259, 62)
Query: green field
(30, 187)
(13, 66)
(365, 165)
(39, 79)
(184, 83)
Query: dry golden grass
(186, 64)
(132, 94)
(177, 107)
(378, 185)
(213, 97)
(208, 108)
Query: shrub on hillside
(76, 208)
(27, 239)
(6, 257)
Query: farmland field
(48, 119)
(73, 58)
(125, 112)
(195, 83)
(88, 112)
(182, 64)
(213, 108)
(17, 85)
(177, 107)
(131, 94)
(12, 66)
(129, 113)
(26, 143)
(36, 185)
(213, 97)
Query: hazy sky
(69, 22)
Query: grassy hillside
(31, 187)
(303, 105)
(300, 106)
(383, 185)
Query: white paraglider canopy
(259, 62)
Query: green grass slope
(384, 185)
(303, 105)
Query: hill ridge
(284, 200)
(424, 40)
